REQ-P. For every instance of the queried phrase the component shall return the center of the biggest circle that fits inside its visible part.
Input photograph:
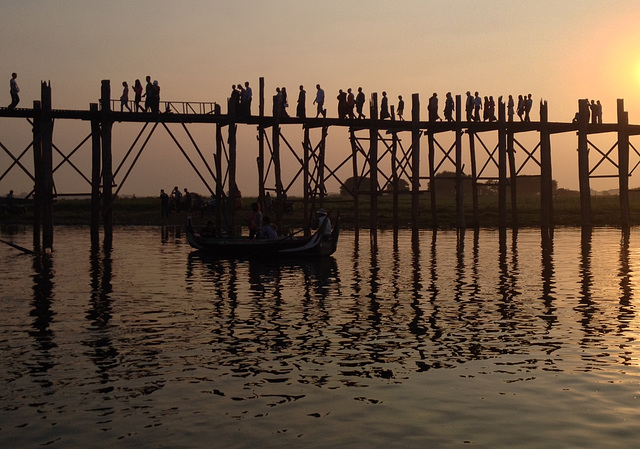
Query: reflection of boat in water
(317, 245)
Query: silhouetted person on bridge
(124, 98)
(449, 107)
(520, 107)
(246, 100)
(234, 101)
(320, 102)
(148, 94)
(432, 108)
(285, 102)
(384, 107)
(342, 104)
(599, 112)
(137, 89)
(510, 108)
(301, 108)
(468, 107)
(351, 103)
(13, 90)
(477, 105)
(155, 97)
(360, 103)
(594, 112)
(400, 107)
(528, 104)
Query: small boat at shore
(318, 244)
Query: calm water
(484, 340)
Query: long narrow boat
(317, 245)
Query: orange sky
(559, 51)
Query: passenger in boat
(209, 230)
(255, 221)
(268, 231)
(322, 217)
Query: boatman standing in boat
(322, 217)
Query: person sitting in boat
(209, 230)
(255, 221)
(322, 217)
(268, 231)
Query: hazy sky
(558, 51)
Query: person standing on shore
(164, 204)
(14, 89)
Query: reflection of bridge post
(583, 163)
(95, 175)
(623, 162)
(107, 175)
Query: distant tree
(349, 186)
(402, 184)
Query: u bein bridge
(377, 155)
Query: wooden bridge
(377, 154)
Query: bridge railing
(177, 107)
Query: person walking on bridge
(320, 102)
(14, 89)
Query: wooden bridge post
(320, 167)
(373, 163)
(220, 204)
(275, 157)
(623, 163)
(460, 221)
(432, 177)
(356, 179)
(546, 178)
(415, 160)
(394, 176)
(306, 181)
(37, 170)
(46, 124)
(583, 162)
(235, 196)
(260, 160)
(502, 168)
(513, 169)
(474, 168)
(107, 161)
(95, 174)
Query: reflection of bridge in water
(378, 161)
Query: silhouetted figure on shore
(320, 102)
(360, 99)
(342, 104)
(400, 107)
(510, 108)
(468, 107)
(137, 89)
(449, 107)
(351, 103)
(124, 98)
(301, 109)
(14, 90)
(164, 204)
(177, 198)
(432, 108)
(477, 105)
(384, 107)
(528, 104)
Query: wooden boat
(317, 245)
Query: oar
(24, 250)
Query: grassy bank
(146, 211)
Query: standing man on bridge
(320, 102)
(14, 89)
(247, 95)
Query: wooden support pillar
(260, 161)
(107, 176)
(513, 169)
(460, 222)
(320, 167)
(373, 163)
(37, 170)
(546, 178)
(220, 204)
(46, 123)
(502, 167)
(394, 176)
(306, 180)
(415, 160)
(356, 174)
(95, 174)
(432, 178)
(235, 196)
(275, 157)
(583, 163)
(623, 163)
